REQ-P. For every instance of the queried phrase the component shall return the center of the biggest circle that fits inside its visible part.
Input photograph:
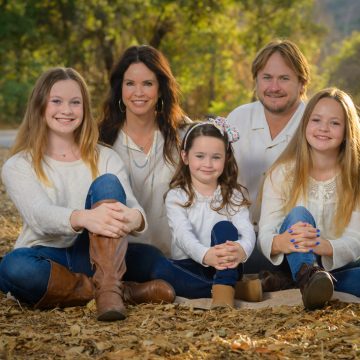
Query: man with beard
(281, 75)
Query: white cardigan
(191, 227)
(321, 202)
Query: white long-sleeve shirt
(46, 210)
(321, 202)
(256, 151)
(191, 227)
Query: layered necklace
(149, 162)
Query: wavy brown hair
(227, 180)
(169, 115)
(32, 134)
(299, 152)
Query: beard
(279, 108)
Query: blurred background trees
(209, 43)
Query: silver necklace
(71, 153)
(149, 161)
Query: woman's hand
(108, 219)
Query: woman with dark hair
(141, 120)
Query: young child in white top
(208, 216)
(73, 196)
(310, 212)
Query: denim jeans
(25, 272)
(193, 280)
(347, 277)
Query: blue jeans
(25, 272)
(193, 280)
(347, 277)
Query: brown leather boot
(222, 296)
(108, 256)
(316, 286)
(275, 280)
(66, 288)
(155, 292)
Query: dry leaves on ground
(171, 331)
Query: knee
(107, 186)
(106, 180)
(110, 179)
(301, 213)
(15, 267)
(222, 231)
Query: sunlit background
(210, 44)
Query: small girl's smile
(206, 160)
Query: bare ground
(171, 331)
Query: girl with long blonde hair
(310, 212)
(76, 204)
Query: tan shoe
(222, 296)
(249, 289)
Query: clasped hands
(112, 219)
(225, 256)
(301, 237)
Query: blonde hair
(32, 135)
(291, 54)
(298, 152)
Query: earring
(122, 109)
(160, 105)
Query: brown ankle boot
(155, 292)
(222, 296)
(316, 286)
(275, 280)
(108, 257)
(249, 289)
(66, 288)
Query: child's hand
(213, 259)
(225, 256)
(231, 254)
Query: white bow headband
(221, 124)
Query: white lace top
(321, 202)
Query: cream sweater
(46, 210)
